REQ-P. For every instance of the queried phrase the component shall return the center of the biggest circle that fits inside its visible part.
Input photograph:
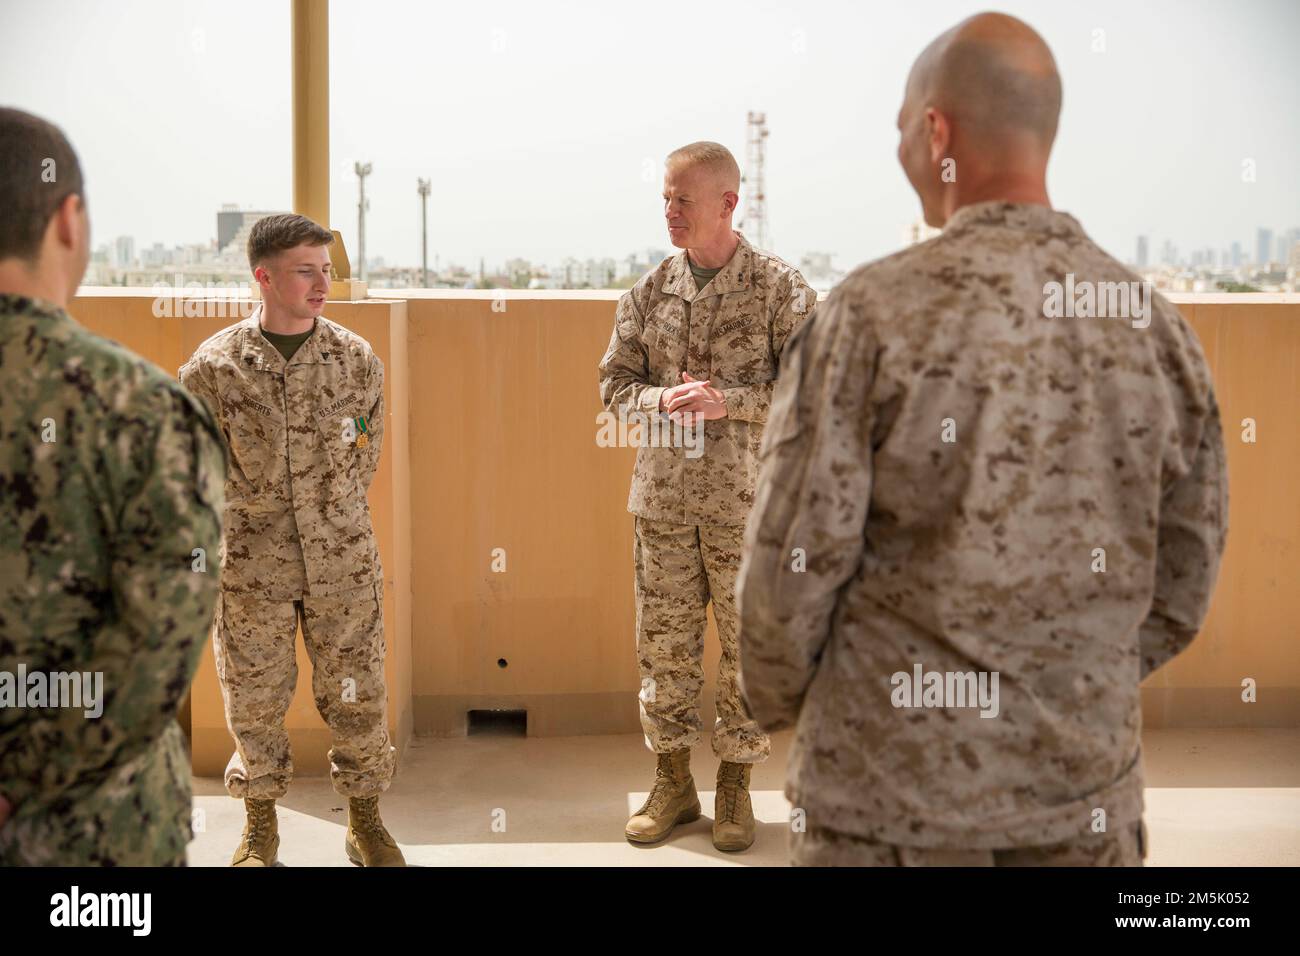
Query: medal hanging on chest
(362, 439)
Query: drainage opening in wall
(498, 723)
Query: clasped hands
(693, 401)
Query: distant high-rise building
(1236, 254)
(628, 267)
(1286, 242)
(573, 274)
(155, 256)
(123, 254)
(638, 263)
(233, 226)
(601, 272)
(1169, 253)
(1263, 246)
(1141, 260)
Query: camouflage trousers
(139, 816)
(679, 569)
(254, 643)
(817, 847)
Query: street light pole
(363, 170)
(423, 189)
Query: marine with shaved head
(692, 359)
(1012, 511)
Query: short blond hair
(714, 157)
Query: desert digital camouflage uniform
(99, 573)
(1121, 846)
(304, 438)
(1071, 434)
(691, 511)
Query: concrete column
(311, 109)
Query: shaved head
(979, 116)
(994, 76)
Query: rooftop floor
(1214, 797)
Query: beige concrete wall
(502, 454)
(1253, 630)
(515, 465)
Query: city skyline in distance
(1204, 269)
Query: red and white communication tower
(754, 221)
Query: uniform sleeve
(751, 403)
(1189, 545)
(625, 369)
(197, 380)
(804, 538)
(163, 474)
(374, 420)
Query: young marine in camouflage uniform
(698, 339)
(300, 401)
(980, 486)
(111, 488)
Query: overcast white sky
(537, 122)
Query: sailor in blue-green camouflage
(691, 508)
(955, 463)
(111, 492)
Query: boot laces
(259, 821)
(665, 788)
(730, 787)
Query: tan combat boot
(672, 800)
(733, 814)
(367, 842)
(261, 840)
